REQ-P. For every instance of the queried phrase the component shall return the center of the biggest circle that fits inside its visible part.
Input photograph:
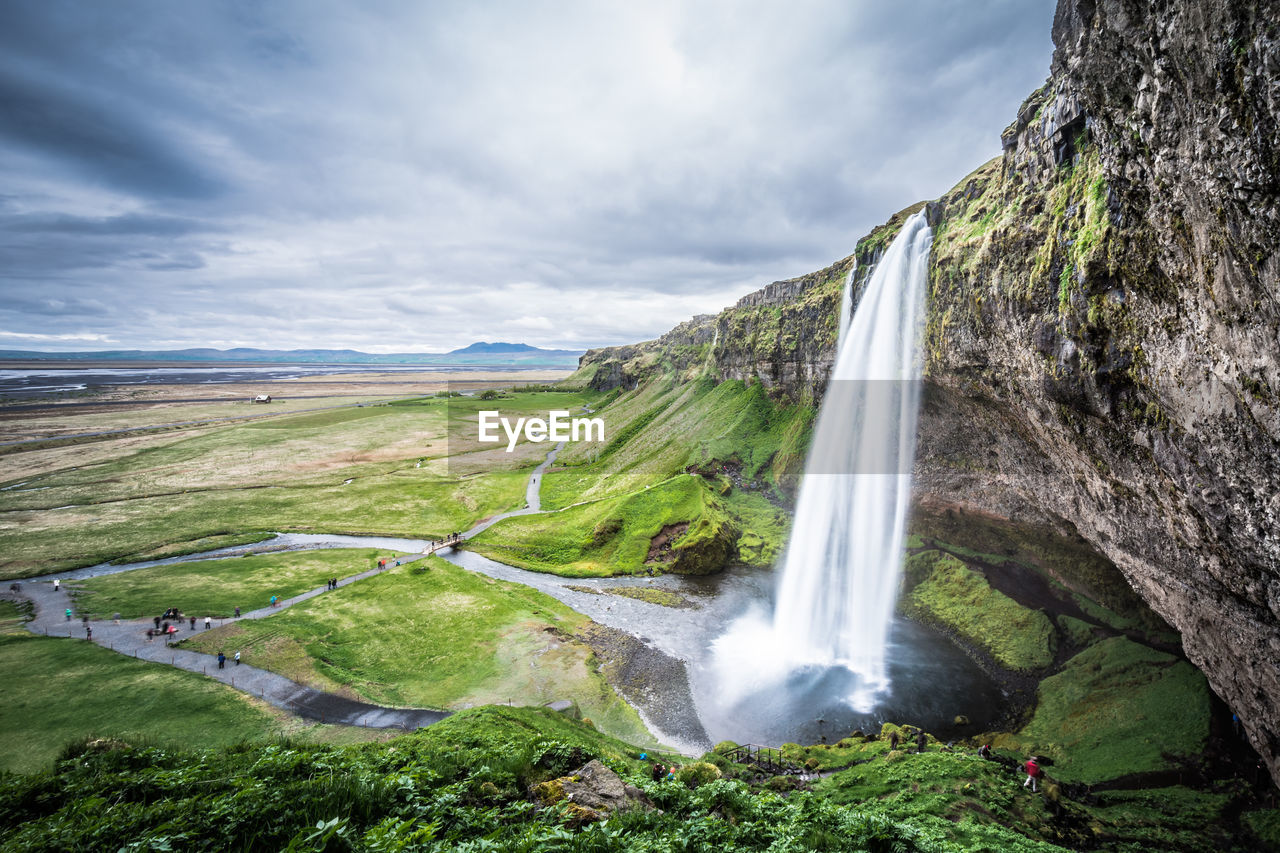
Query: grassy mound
(621, 535)
(461, 785)
(1115, 709)
(946, 592)
(430, 634)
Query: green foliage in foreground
(949, 796)
(1117, 708)
(958, 797)
(60, 690)
(948, 593)
(613, 536)
(459, 786)
(217, 587)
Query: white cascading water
(846, 304)
(840, 577)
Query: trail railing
(765, 758)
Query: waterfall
(846, 303)
(840, 576)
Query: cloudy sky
(415, 176)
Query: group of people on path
(448, 540)
(331, 583)
(222, 660)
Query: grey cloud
(310, 173)
(112, 226)
(98, 143)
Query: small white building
(261, 398)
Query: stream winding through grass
(931, 681)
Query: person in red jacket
(1033, 773)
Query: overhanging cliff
(1103, 343)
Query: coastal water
(33, 381)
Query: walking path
(130, 637)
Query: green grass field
(60, 690)
(609, 503)
(660, 428)
(377, 470)
(431, 634)
(216, 587)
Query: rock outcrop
(1103, 340)
(591, 793)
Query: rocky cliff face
(1106, 304)
(1103, 343)
(783, 335)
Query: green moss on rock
(948, 593)
(1115, 709)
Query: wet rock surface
(654, 682)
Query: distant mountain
(486, 347)
(496, 354)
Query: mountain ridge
(477, 353)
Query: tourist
(88, 631)
(116, 619)
(922, 741)
(193, 623)
(150, 635)
(68, 614)
(207, 623)
(56, 584)
(237, 611)
(237, 658)
(657, 772)
(222, 661)
(157, 620)
(893, 741)
(1033, 773)
(984, 751)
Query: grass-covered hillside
(694, 477)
